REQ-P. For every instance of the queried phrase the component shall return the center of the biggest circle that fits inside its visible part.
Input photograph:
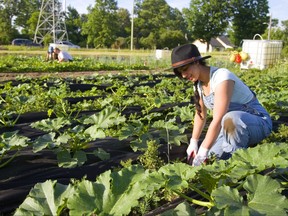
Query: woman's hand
(200, 157)
(192, 150)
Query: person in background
(63, 56)
(50, 54)
(239, 120)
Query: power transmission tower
(51, 22)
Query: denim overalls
(242, 126)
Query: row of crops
(115, 145)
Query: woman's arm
(223, 94)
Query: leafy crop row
(233, 187)
(21, 63)
(150, 111)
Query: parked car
(64, 45)
(24, 42)
(69, 44)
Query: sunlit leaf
(46, 198)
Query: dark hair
(196, 99)
(196, 92)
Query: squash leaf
(46, 198)
(112, 193)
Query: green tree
(73, 23)
(101, 26)
(250, 17)
(124, 29)
(207, 19)
(25, 16)
(151, 23)
(123, 17)
(8, 9)
(32, 23)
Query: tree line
(156, 24)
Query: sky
(278, 8)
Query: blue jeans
(241, 127)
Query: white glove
(200, 157)
(192, 149)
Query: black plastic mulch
(28, 168)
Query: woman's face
(189, 72)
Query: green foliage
(41, 200)
(280, 135)
(73, 22)
(101, 26)
(69, 143)
(251, 177)
(235, 186)
(11, 141)
(21, 63)
(122, 186)
(153, 24)
(249, 18)
(150, 159)
(207, 19)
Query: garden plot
(81, 140)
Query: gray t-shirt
(241, 93)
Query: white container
(262, 53)
(159, 54)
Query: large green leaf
(141, 142)
(47, 140)
(105, 118)
(11, 140)
(263, 198)
(230, 200)
(101, 153)
(171, 132)
(135, 127)
(112, 194)
(263, 156)
(245, 162)
(46, 198)
(185, 113)
(264, 195)
(65, 160)
(49, 125)
(95, 132)
(177, 175)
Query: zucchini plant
(11, 142)
(69, 140)
(247, 183)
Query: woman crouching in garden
(239, 120)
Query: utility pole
(51, 22)
(132, 26)
(270, 24)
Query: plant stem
(168, 145)
(8, 161)
(194, 201)
(206, 196)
